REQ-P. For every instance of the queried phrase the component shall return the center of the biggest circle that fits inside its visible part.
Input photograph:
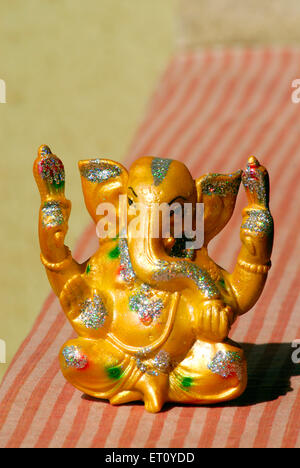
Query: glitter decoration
(221, 185)
(98, 171)
(160, 364)
(162, 361)
(88, 269)
(226, 364)
(257, 183)
(51, 169)
(183, 269)
(159, 169)
(126, 270)
(259, 222)
(146, 307)
(74, 358)
(114, 373)
(52, 214)
(93, 313)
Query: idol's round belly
(129, 329)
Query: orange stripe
(131, 426)
(183, 426)
(156, 430)
(105, 425)
(56, 416)
(78, 424)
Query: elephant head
(149, 183)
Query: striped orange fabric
(212, 110)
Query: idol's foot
(210, 373)
(127, 396)
(155, 391)
(96, 367)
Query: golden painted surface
(153, 322)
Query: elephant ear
(218, 192)
(103, 181)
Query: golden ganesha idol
(153, 312)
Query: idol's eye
(130, 202)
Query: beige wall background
(238, 22)
(78, 76)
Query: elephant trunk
(153, 266)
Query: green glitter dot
(114, 253)
(114, 373)
(88, 269)
(186, 382)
